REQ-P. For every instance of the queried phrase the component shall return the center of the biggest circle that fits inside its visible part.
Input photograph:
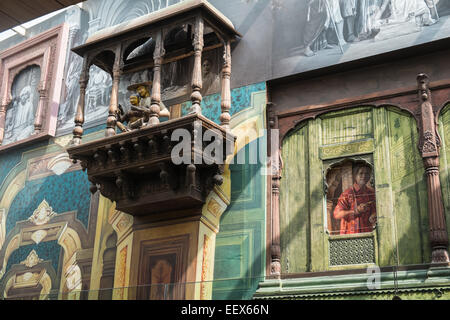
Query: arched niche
(108, 269)
(32, 279)
(45, 50)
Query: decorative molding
(31, 260)
(347, 149)
(50, 164)
(42, 215)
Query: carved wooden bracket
(136, 170)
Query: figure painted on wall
(74, 65)
(175, 79)
(210, 78)
(98, 93)
(351, 202)
(20, 114)
(349, 30)
(162, 275)
(405, 10)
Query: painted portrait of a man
(351, 206)
(19, 123)
(356, 208)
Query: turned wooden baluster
(197, 82)
(226, 87)
(429, 147)
(114, 102)
(40, 112)
(158, 55)
(79, 117)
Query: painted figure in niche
(351, 202)
(20, 114)
(161, 275)
(356, 206)
(211, 81)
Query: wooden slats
(16, 12)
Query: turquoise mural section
(65, 193)
(240, 100)
(47, 251)
(240, 252)
(68, 192)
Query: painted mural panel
(409, 189)
(336, 31)
(20, 113)
(294, 222)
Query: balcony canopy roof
(17, 12)
(157, 18)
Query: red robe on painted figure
(349, 200)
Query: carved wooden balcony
(136, 170)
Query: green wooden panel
(444, 130)
(319, 254)
(346, 126)
(294, 203)
(400, 188)
(408, 189)
(385, 212)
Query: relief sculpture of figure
(356, 206)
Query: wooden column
(158, 55)
(79, 116)
(275, 163)
(226, 87)
(39, 117)
(197, 82)
(114, 102)
(429, 145)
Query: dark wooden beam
(16, 12)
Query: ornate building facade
(329, 176)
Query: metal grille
(352, 251)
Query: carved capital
(429, 141)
